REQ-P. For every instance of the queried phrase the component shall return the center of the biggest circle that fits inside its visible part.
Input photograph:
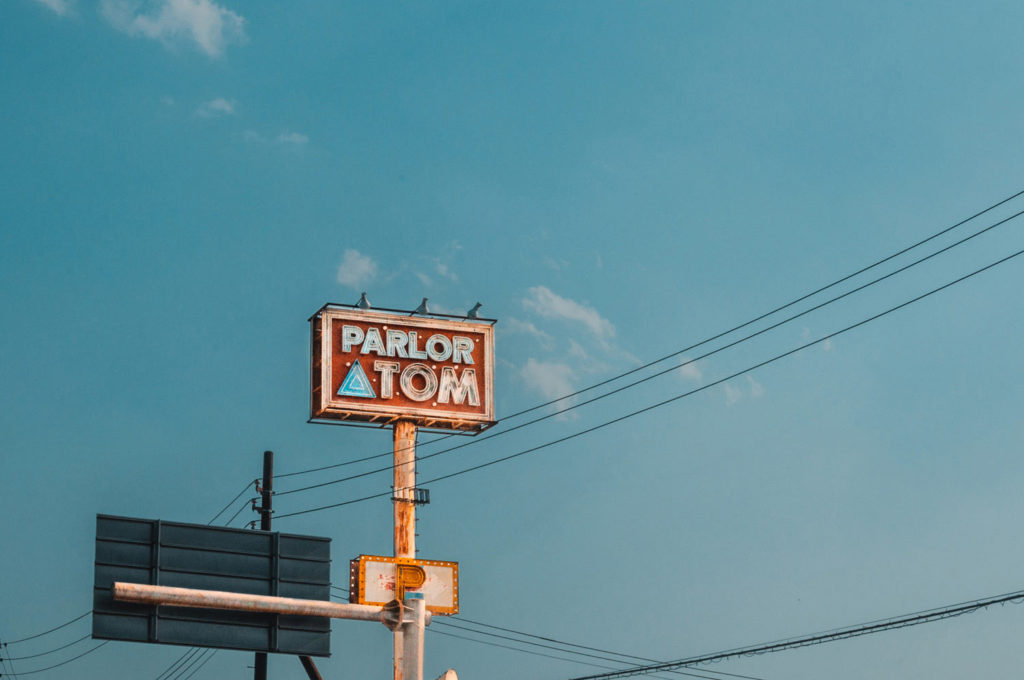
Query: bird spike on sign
(375, 367)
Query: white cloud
(216, 107)
(424, 279)
(827, 345)
(287, 137)
(732, 394)
(356, 269)
(253, 136)
(513, 325)
(551, 379)
(756, 388)
(443, 270)
(61, 7)
(207, 24)
(690, 371)
(552, 306)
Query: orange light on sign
(378, 580)
(375, 367)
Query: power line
(55, 649)
(230, 503)
(74, 658)
(707, 340)
(552, 656)
(559, 649)
(627, 386)
(904, 621)
(571, 644)
(47, 632)
(185, 668)
(175, 665)
(676, 397)
(212, 653)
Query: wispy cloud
(756, 388)
(732, 394)
(356, 269)
(549, 378)
(286, 138)
(216, 107)
(202, 22)
(296, 138)
(553, 306)
(61, 7)
(444, 271)
(690, 371)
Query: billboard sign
(154, 552)
(378, 580)
(376, 367)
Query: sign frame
(328, 407)
(357, 577)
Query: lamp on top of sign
(374, 367)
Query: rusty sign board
(376, 367)
(378, 580)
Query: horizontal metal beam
(217, 599)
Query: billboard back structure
(155, 552)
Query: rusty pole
(405, 515)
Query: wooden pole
(405, 514)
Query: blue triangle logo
(356, 384)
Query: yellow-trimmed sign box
(378, 580)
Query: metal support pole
(405, 515)
(171, 596)
(310, 668)
(412, 633)
(265, 511)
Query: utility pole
(266, 504)
(408, 657)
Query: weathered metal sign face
(378, 580)
(377, 367)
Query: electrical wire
(212, 653)
(184, 669)
(534, 653)
(448, 624)
(6, 664)
(67, 661)
(552, 656)
(230, 503)
(188, 654)
(47, 632)
(705, 341)
(237, 512)
(55, 649)
(677, 397)
(688, 362)
(846, 632)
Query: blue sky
(185, 181)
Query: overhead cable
(904, 621)
(676, 397)
(702, 342)
(688, 362)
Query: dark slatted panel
(210, 558)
